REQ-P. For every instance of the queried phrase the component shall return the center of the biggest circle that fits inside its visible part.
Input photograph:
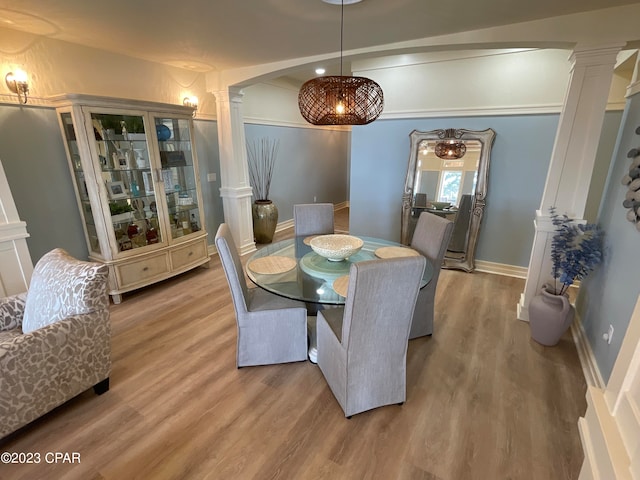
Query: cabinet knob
(145, 269)
(190, 253)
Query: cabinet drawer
(189, 254)
(141, 270)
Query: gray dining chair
(430, 238)
(313, 219)
(362, 347)
(460, 235)
(271, 329)
(419, 200)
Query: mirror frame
(486, 138)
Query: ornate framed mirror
(451, 184)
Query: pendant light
(450, 147)
(340, 100)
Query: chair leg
(101, 387)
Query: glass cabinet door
(123, 155)
(80, 180)
(179, 175)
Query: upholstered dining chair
(430, 238)
(460, 235)
(362, 347)
(271, 329)
(419, 200)
(313, 219)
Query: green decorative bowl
(441, 205)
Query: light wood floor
(484, 401)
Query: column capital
(603, 54)
(231, 94)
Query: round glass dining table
(290, 268)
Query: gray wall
(36, 166)
(310, 162)
(207, 149)
(609, 294)
(607, 144)
(517, 173)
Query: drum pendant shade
(339, 99)
(451, 147)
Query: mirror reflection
(447, 176)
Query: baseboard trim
(284, 225)
(501, 269)
(590, 369)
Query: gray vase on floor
(550, 315)
(265, 219)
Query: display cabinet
(135, 172)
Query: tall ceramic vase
(550, 315)
(265, 219)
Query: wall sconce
(191, 102)
(18, 84)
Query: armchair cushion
(52, 296)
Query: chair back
(232, 268)
(420, 200)
(460, 234)
(431, 238)
(381, 298)
(62, 287)
(313, 219)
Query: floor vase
(550, 315)
(265, 219)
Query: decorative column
(573, 156)
(15, 262)
(234, 172)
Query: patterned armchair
(55, 339)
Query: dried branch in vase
(262, 158)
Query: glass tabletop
(291, 268)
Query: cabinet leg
(116, 298)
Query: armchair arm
(12, 311)
(43, 369)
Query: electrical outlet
(609, 335)
(314, 199)
(211, 177)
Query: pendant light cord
(341, 32)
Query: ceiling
(217, 35)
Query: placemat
(394, 252)
(341, 285)
(307, 240)
(272, 264)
